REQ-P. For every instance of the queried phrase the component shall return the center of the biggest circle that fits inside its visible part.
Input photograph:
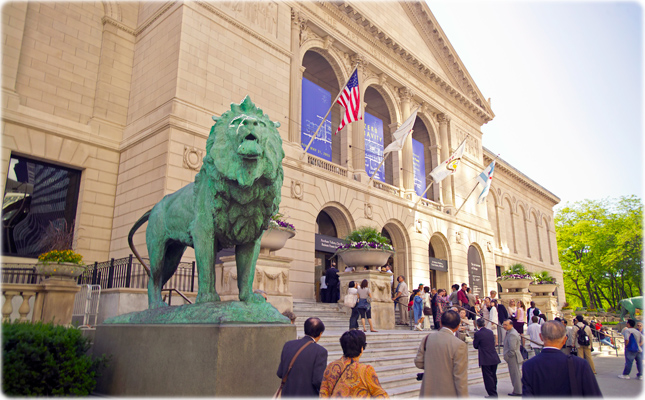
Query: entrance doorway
(326, 244)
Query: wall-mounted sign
(475, 280)
(327, 244)
(315, 104)
(374, 146)
(438, 264)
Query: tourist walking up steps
(548, 373)
(303, 362)
(488, 359)
(347, 377)
(365, 305)
(633, 350)
(353, 319)
(401, 294)
(513, 357)
(583, 335)
(444, 359)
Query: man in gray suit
(447, 360)
(513, 357)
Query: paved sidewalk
(607, 370)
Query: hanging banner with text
(475, 280)
(374, 146)
(419, 166)
(315, 103)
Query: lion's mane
(245, 193)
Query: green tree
(600, 250)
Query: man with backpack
(633, 350)
(583, 335)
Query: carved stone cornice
(502, 167)
(146, 24)
(380, 40)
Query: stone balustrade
(30, 298)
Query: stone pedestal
(191, 360)
(547, 304)
(515, 289)
(58, 300)
(271, 276)
(380, 287)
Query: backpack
(583, 338)
(632, 345)
(350, 300)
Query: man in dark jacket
(547, 374)
(484, 342)
(306, 375)
(502, 315)
(331, 279)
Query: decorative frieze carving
(442, 118)
(262, 15)
(369, 212)
(193, 158)
(472, 144)
(297, 190)
(405, 94)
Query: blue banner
(316, 101)
(419, 166)
(374, 146)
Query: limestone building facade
(115, 100)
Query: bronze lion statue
(230, 203)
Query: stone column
(446, 184)
(295, 76)
(406, 153)
(379, 284)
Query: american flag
(350, 98)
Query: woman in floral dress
(442, 303)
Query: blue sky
(565, 82)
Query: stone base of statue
(380, 287)
(271, 276)
(190, 360)
(506, 297)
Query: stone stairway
(391, 352)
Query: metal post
(192, 278)
(110, 274)
(128, 272)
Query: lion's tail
(137, 225)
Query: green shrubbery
(46, 360)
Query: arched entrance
(438, 262)
(475, 267)
(331, 227)
(399, 262)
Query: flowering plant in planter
(366, 238)
(543, 277)
(277, 221)
(515, 271)
(61, 256)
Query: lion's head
(243, 164)
(244, 145)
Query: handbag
(427, 311)
(350, 300)
(278, 393)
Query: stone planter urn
(364, 257)
(275, 238)
(545, 288)
(60, 271)
(515, 285)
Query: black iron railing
(20, 274)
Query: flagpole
(423, 194)
(462, 204)
(471, 192)
(377, 168)
(328, 111)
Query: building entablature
(383, 52)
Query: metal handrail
(618, 337)
(170, 290)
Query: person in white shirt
(323, 289)
(534, 334)
(492, 316)
(630, 356)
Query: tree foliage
(600, 250)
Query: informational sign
(327, 244)
(475, 280)
(419, 166)
(316, 101)
(438, 264)
(374, 146)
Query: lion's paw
(207, 298)
(253, 298)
